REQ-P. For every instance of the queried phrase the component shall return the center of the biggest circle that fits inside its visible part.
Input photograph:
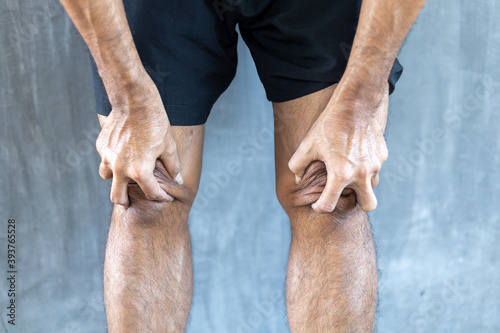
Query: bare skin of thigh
(332, 270)
(148, 279)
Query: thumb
(300, 161)
(171, 161)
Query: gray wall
(437, 226)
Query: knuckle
(384, 155)
(118, 168)
(292, 165)
(104, 166)
(300, 157)
(138, 173)
(98, 145)
(107, 157)
(137, 177)
(364, 170)
(105, 174)
(171, 149)
(341, 176)
(340, 173)
(104, 156)
(349, 173)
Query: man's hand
(133, 136)
(137, 131)
(349, 138)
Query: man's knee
(146, 210)
(299, 198)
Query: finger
(170, 160)
(99, 143)
(300, 161)
(383, 153)
(375, 180)
(119, 194)
(152, 190)
(98, 146)
(365, 195)
(330, 196)
(105, 172)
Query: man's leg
(148, 283)
(332, 271)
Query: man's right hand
(137, 131)
(135, 134)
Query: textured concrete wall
(437, 226)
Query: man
(330, 118)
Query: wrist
(128, 87)
(362, 87)
(357, 100)
(122, 72)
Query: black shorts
(189, 48)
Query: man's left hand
(349, 138)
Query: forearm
(382, 27)
(104, 27)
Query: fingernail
(297, 179)
(169, 198)
(313, 206)
(179, 179)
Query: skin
(329, 150)
(348, 136)
(332, 272)
(137, 132)
(148, 276)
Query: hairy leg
(148, 281)
(332, 271)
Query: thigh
(301, 47)
(189, 141)
(293, 119)
(187, 50)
